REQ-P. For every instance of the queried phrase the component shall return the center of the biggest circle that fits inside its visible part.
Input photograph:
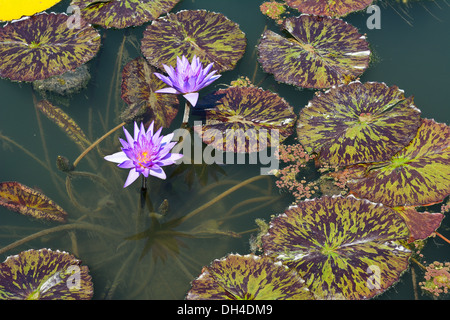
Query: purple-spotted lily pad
(123, 13)
(419, 174)
(138, 91)
(210, 36)
(420, 224)
(246, 119)
(319, 53)
(44, 275)
(358, 123)
(248, 277)
(45, 45)
(331, 8)
(343, 247)
(29, 202)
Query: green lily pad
(358, 123)
(419, 174)
(329, 8)
(44, 275)
(343, 247)
(124, 13)
(29, 202)
(138, 91)
(44, 45)
(237, 116)
(248, 277)
(420, 224)
(210, 36)
(320, 52)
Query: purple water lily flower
(145, 153)
(187, 79)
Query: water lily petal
(132, 176)
(192, 98)
(117, 157)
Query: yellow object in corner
(16, 9)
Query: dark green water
(411, 51)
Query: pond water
(410, 51)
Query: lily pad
(210, 36)
(44, 45)
(343, 247)
(419, 174)
(124, 13)
(16, 9)
(44, 275)
(420, 224)
(29, 202)
(248, 277)
(320, 52)
(358, 123)
(138, 91)
(329, 8)
(246, 119)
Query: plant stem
(187, 111)
(92, 146)
(442, 237)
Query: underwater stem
(92, 146)
(442, 237)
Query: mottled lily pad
(358, 123)
(417, 175)
(420, 224)
(27, 201)
(44, 275)
(65, 122)
(210, 36)
(248, 277)
(343, 247)
(138, 91)
(44, 45)
(320, 52)
(331, 8)
(246, 119)
(16, 9)
(124, 13)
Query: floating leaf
(321, 52)
(44, 275)
(342, 246)
(417, 175)
(358, 123)
(65, 122)
(246, 119)
(331, 8)
(45, 45)
(138, 91)
(66, 84)
(420, 224)
(122, 14)
(210, 36)
(27, 201)
(248, 277)
(16, 9)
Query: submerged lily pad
(319, 53)
(417, 175)
(16, 9)
(44, 275)
(358, 123)
(210, 36)
(246, 119)
(420, 224)
(331, 8)
(29, 202)
(138, 91)
(247, 277)
(44, 45)
(343, 247)
(122, 14)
